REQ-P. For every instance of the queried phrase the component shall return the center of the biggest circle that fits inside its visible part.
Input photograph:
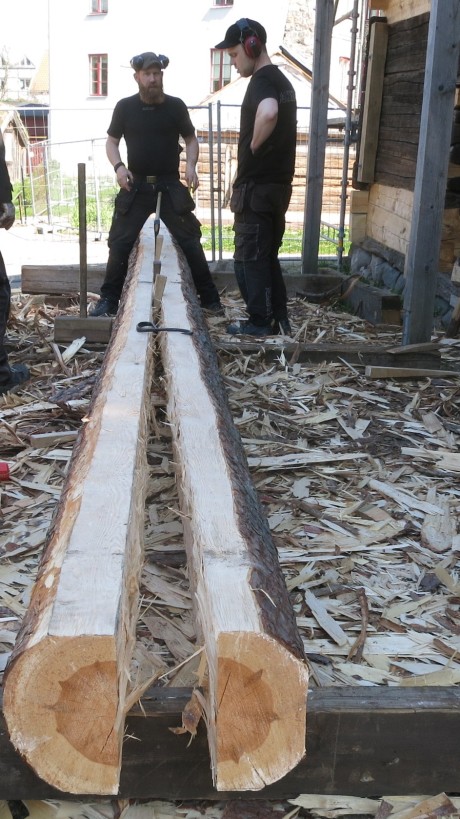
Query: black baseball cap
(148, 58)
(237, 31)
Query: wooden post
(421, 267)
(82, 239)
(324, 24)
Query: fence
(46, 188)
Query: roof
(300, 76)
(10, 120)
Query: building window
(98, 75)
(222, 2)
(99, 6)
(221, 67)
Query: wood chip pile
(358, 478)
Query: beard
(151, 96)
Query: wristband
(118, 165)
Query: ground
(359, 480)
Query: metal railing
(46, 186)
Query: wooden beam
(408, 373)
(396, 10)
(95, 329)
(62, 279)
(256, 673)
(351, 352)
(378, 41)
(421, 270)
(65, 685)
(37, 279)
(362, 741)
(46, 439)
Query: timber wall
(224, 156)
(380, 211)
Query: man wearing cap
(151, 123)
(262, 187)
(11, 377)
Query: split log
(256, 685)
(65, 685)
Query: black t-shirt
(151, 133)
(275, 160)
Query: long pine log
(65, 685)
(256, 687)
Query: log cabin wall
(380, 211)
(224, 155)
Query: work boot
(215, 308)
(19, 375)
(247, 328)
(282, 326)
(103, 307)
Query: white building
(91, 43)
(16, 74)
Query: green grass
(292, 242)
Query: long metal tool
(156, 223)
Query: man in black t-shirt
(11, 377)
(262, 187)
(151, 123)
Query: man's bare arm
(124, 176)
(192, 151)
(265, 122)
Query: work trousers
(5, 298)
(132, 208)
(259, 224)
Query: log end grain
(260, 714)
(60, 705)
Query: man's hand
(7, 215)
(124, 178)
(191, 177)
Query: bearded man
(151, 123)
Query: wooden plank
(374, 304)
(37, 279)
(358, 227)
(51, 438)
(430, 182)
(359, 201)
(389, 215)
(405, 372)
(378, 41)
(393, 201)
(65, 685)
(256, 680)
(364, 741)
(352, 353)
(95, 329)
(396, 10)
(48, 279)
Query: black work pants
(259, 224)
(132, 209)
(5, 298)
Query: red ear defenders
(251, 43)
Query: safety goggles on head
(148, 58)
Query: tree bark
(257, 679)
(66, 682)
